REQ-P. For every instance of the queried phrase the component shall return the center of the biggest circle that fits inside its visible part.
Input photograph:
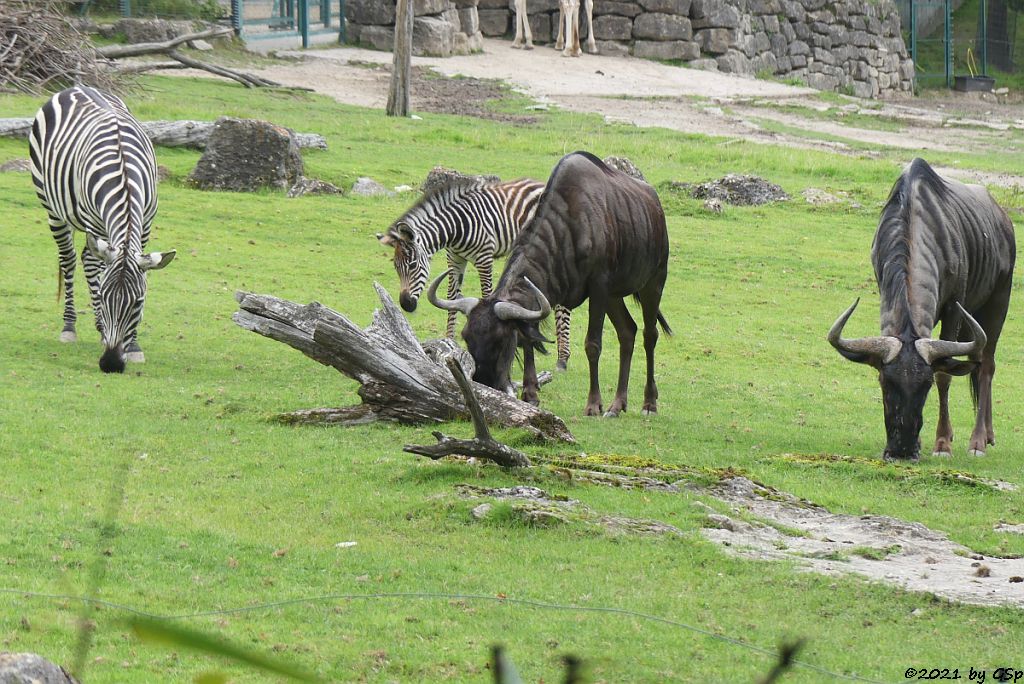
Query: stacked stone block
(441, 28)
(852, 46)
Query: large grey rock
(379, 12)
(432, 36)
(245, 155)
(612, 48)
(469, 20)
(29, 668)
(734, 62)
(538, 6)
(16, 165)
(312, 186)
(151, 30)
(714, 14)
(625, 9)
(685, 50)
(367, 187)
(377, 37)
(613, 27)
(798, 47)
(492, 4)
(494, 22)
(659, 26)
(426, 7)
(626, 166)
(715, 41)
(681, 7)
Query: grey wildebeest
(944, 251)
(598, 234)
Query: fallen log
(482, 445)
(398, 380)
(191, 134)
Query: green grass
(223, 508)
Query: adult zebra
(474, 222)
(94, 171)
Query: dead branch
(138, 49)
(191, 134)
(398, 381)
(482, 445)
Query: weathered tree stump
(398, 381)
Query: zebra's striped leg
(93, 267)
(64, 237)
(562, 336)
(133, 352)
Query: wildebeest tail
(664, 323)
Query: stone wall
(852, 46)
(441, 28)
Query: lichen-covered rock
(440, 177)
(312, 186)
(624, 165)
(367, 187)
(29, 668)
(660, 26)
(246, 154)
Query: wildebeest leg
(64, 235)
(562, 336)
(991, 318)
(625, 328)
(457, 271)
(944, 430)
(650, 304)
(592, 346)
(531, 386)
(93, 267)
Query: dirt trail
(646, 93)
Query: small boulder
(245, 155)
(368, 187)
(625, 166)
(312, 186)
(17, 165)
(439, 177)
(29, 668)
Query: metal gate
(928, 33)
(264, 19)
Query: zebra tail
(664, 324)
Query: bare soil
(646, 93)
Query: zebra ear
(99, 247)
(403, 232)
(156, 260)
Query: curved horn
(463, 304)
(883, 349)
(508, 311)
(933, 350)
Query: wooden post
(401, 66)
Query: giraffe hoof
(528, 46)
(68, 336)
(135, 357)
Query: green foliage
(208, 10)
(235, 522)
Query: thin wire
(432, 595)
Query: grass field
(171, 490)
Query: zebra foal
(474, 222)
(94, 170)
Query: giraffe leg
(591, 41)
(524, 37)
(572, 36)
(562, 9)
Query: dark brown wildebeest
(944, 251)
(598, 234)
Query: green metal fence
(262, 19)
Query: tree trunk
(398, 381)
(401, 66)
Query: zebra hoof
(68, 336)
(561, 365)
(135, 357)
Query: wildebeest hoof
(561, 365)
(975, 452)
(68, 336)
(648, 411)
(135, 357)
(942, 454)
(593, 411)
(611, 414)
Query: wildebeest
(598, 234)
(944, 251)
